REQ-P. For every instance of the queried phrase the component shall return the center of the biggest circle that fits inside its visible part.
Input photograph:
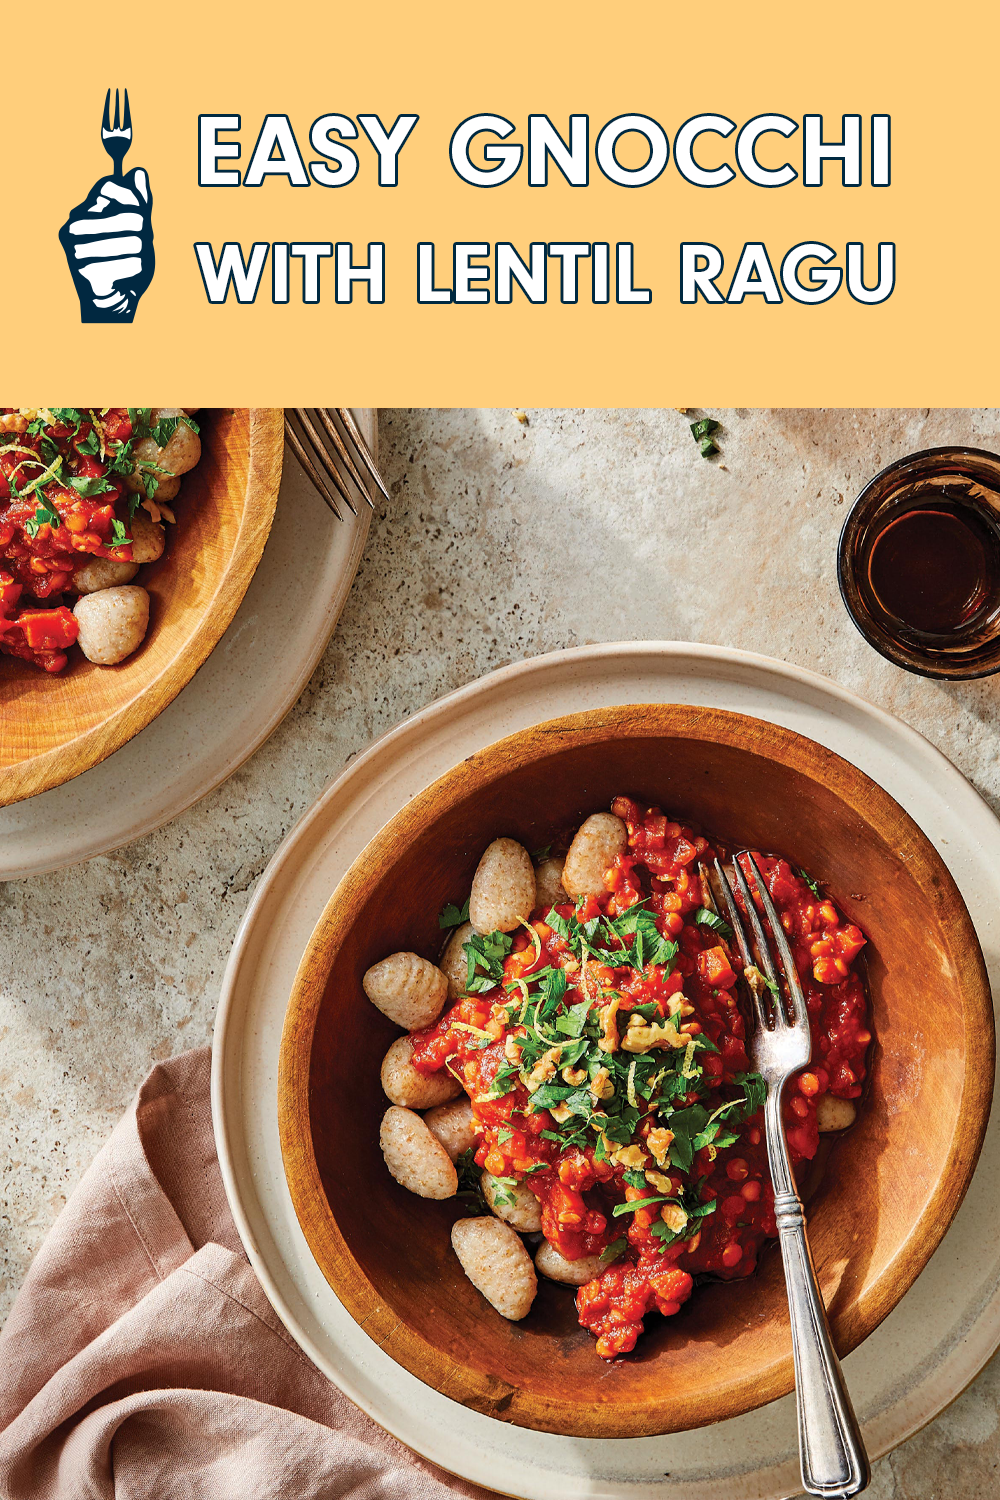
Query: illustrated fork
(831, 1449)
(117, 138)
(333, 444)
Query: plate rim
(820, 689)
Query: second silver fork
(325, 440)
(832, 1453)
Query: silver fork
(117, 138)
(329, 437)
(831, 1449)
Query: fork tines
(123, 124)
(328, 439)
(776, 978)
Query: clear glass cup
(954, 490)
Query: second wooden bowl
(54, 727)
(891, 1186)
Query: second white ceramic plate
(921, 1357)
(229, 707)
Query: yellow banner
(441, 205)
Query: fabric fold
(142, 1360)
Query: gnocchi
(503, 888)
(408, 989)
(414, 1155)
(112, 623)
(834, 1114)
(148, 539)
(454, 1125)
(549, 889)
(570, 1272)
(514, 1203)
(103, 573)
(597, 843)
(497, 1264)
(404, 1085)
(454, 964)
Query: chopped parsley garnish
(45, 514)
(754, 1090)
(504, 1080)
(630, 1208)
(811, 884)
(97, 484)
(595, 1100)
(453, 916)
(702, 431)
(706, 918)
(470, 1187)
(139, 417)
(486, 954)
(694, 1129)
(505, 1191)
(119, 536)
(633, 938)
(694, 1211)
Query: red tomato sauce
(726, 1188)
(57, 510)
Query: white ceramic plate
(227, 710)
(922, 1356)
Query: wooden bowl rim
(675, 1411)
(40, 773)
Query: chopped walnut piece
(674, 1216)
(630, 1156)
(544, 1069)
(512, 1049)
(642, 1038)
(658, 1142)
(607, 1014)
(601, 1086)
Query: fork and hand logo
(108, 238)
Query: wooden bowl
(891, 1186)
(55, 727)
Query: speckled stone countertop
(504, 540)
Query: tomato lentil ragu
(603, 1048)
(71, 483)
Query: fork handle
(831, 1448)
(117, 150)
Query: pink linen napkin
(142, 1360)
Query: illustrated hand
(108, 242)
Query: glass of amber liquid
(919, 563)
